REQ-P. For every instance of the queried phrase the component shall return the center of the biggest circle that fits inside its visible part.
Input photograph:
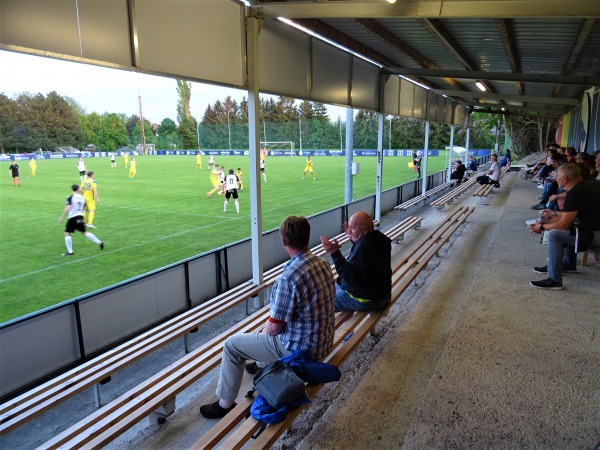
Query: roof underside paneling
(537, 55)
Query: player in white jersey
(211, 161)
(262, 169)
(81, 168)
(221, 179)
(74, 211)
(231, 187)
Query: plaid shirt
(303, 298)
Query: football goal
(278, 146)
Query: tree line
(33, 121)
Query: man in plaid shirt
(302, 318)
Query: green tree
(90, 126)
(113, 133)
(167, 135)
(187, 123)
(8, 124)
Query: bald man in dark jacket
(365, 277)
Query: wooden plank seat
(423, 197)
(484, 190)
(449, 197)
(410, 203)
(440, 187)
(397, 232)
(30, 404)
(359, 323)
(119, 415)
(25, 407)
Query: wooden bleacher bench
(397, 232)
(440, 187)
(485, 189)
(114, 418)
(410, 203)
(423, 197)
(27, 406)
(359, 323)
(441, 201)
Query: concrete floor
(470, 356)
(475, 358)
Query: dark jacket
(367, 273)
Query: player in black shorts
(231, 184)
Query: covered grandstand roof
(521, 55)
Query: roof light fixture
(391, 1)
(480, 85)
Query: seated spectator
(302, 317)
(492, 176)
(545, 170)
(568, 231)
(551, 186)
(459, 172)
(570, 153)
(507, 160)
(365, 277)
(472, 165)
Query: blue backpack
(309, 370)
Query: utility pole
(142, 131)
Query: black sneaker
(214, 410)
(101, 245)
(252, 368)
(544, 269)
(497, 185)
(68, 254)
(548, 283)
(539, 206)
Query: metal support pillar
(425, 159)
(252, 31)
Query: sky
(100, 89)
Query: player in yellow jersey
(132, 168)
(214, 180)
(309, 168)
(263, 153)
(199, 161)
(90, 194)
(33, 166)
(240, 178)
(126, 159)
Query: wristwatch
(541, 227)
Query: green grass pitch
(160, 217)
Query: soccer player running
(199, 161)
(90, 194)
(221, 178)
(132, 168)
(14, 171)
(240, 179)
(126, 159)
(231, 185)
(81, 168)
(33, 166)
(214, 180)
(309, 168)
(74, 210)
(113, 162)
(211, 162)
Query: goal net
(145, 150)
(286, 147)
